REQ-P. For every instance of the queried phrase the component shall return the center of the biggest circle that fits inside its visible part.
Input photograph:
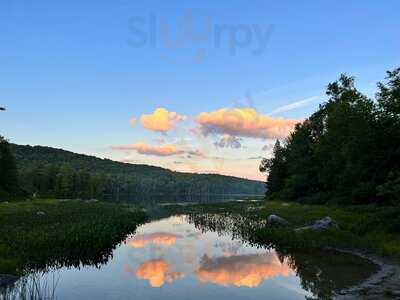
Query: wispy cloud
(142, 148)
(132, 121)
(256, 157)
(228, 141)
(294, 105)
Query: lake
(196, 257)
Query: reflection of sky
(170, 259)
(170, 250)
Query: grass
(41, 233)
(372, 228)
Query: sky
(199, 86)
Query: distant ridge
(133, 180)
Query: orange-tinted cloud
(244, 122)
(157, 272)
(161, 120)
(241, 270)
(142, 148)
(159, 238)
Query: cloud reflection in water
(241, 270)
(159, 238)
(157, 272)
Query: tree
(301, 173)
(349, 125)
(8, 170)
(276, 168)
(348, 150)
(388, 137)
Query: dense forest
(8, 171)
(54, 173)
(348, 151)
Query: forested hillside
(348, 151)
(50, 172)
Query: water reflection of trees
(35, 286)
(238, 226)
(37, 277)
(321, 272)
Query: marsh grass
(42, 233)
(367, 227)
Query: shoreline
(384, 284)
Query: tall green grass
(42, 233)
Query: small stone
(40, 213)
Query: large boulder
(274, 220)
(319, 225)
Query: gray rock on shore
(40, 213)
(319, 225)
(274, 220)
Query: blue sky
(71, 75)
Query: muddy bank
(384, 284)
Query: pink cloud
(161, 120)
(142, 148)
(244, 122)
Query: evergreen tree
(8, 171)
(348, 150)
(276, 168)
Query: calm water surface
(171, 258)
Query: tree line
(55, 173)
(348, 151)
(8, 171)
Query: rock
(64, 200)
(274, 220)
(6, 280)
(91, 201)
(323, 224)
(40, 213)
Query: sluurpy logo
(198, 35)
